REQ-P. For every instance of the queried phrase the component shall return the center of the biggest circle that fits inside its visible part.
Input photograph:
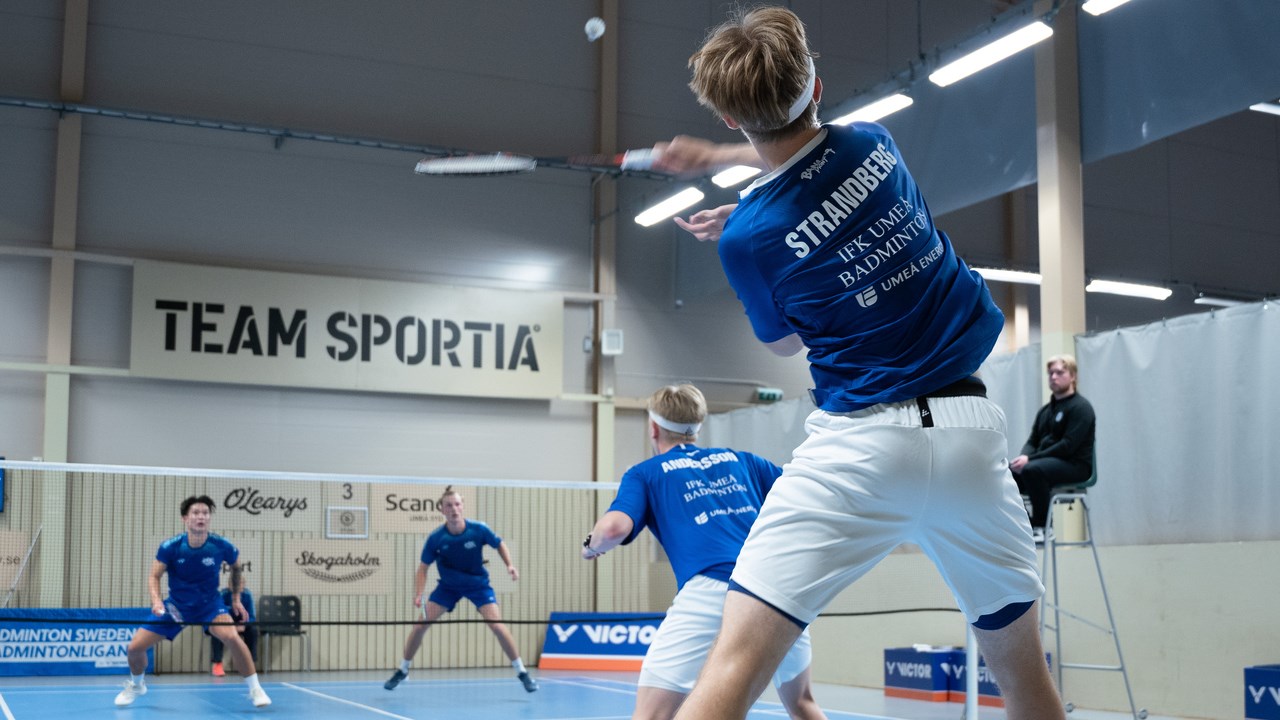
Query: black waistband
(968, 387)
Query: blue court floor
(456, 695)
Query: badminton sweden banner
(598, 641)
(50, 642)
(267, 328)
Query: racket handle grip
(641, 159)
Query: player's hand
(1018, 463)
(158, 609)
(417, 600)
(237, 609)
(706, 224)
(513, 572)
(684, 154)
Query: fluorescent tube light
(1154, 292)
(991, 53)
(1203, 299)
(1097, 7)
(1272, 108)
(670, 206)
(1008, 276)
(734, 175)
(876, 110)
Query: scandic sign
(266, 328)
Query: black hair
(186, 504)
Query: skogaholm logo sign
(353, 567)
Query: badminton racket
(510, 164)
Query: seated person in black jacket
(1060, 449)
(248, 633)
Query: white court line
(411, 680)
(5, 706)
(348, 702)
(556, 681)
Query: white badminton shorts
(684, 639)
(864, 482)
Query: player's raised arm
(687, 154)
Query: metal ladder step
(1054, 607)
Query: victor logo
(620, 634)
(1258, 693)
(564, 633)
(909, 670)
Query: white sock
(518, 664)
(138, 679)
(404, 666)
(252, 682)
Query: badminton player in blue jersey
(833, 251)
(193, 561)
(457, 550)
(699, 503)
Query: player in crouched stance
(193, 560)
(457, 549)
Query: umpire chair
(1074, 496)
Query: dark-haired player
(193, 560)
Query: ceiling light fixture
(1097, 7)
(875, 110)
(1008, 276)
(670, 206)
(734, 175)
(1154, 292)
(1217, 301)
(991, 53)
(1272, 108)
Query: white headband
(802, 102)
(678, 428)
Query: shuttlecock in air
(594, 29)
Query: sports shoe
(259, 697)
(217, 670)
(132, 691)
(530, 685)
(397, 677)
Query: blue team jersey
(838, 247)
(460, 558)
(194, 572)
(699, 503)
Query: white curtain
(1016, 382)
(1187, 428)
